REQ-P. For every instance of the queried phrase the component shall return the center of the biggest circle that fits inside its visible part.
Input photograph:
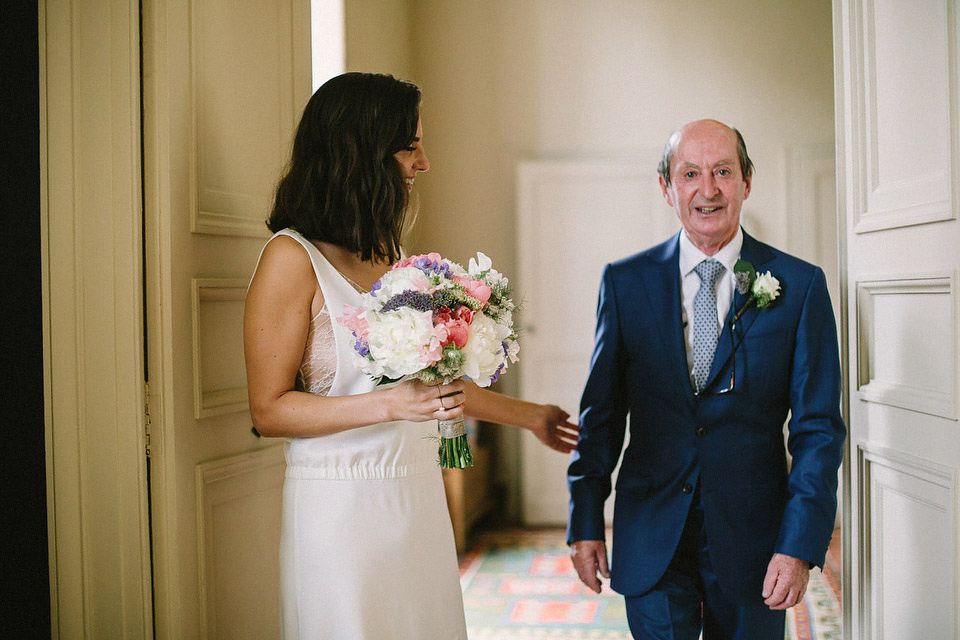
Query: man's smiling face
(707, 186)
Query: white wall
(508, 80)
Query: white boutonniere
(763, 288)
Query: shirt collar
(691, 256)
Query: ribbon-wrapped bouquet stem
(431, 319)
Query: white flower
(482, 267)
(766, 288)
(478, 266)
(370, 367)
(400, 280)
(483, 352)
(397, 339)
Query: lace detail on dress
(319, 364)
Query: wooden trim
(92, 292)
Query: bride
(366, 547)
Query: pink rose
(477, 289)
(455, 325)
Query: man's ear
(665, 190)
(746, 189)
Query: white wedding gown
(366, 549)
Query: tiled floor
(519, 584)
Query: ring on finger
(442, 408)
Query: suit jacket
(786, 360)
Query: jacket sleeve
(816, 430)
(603, 410)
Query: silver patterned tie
(705, 324)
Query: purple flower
(743, 282)
(429, 266)
(362, 348)
(416, 300)
(424, 263)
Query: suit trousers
(688, 598)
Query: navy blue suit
(786, 360)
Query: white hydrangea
(395, 338)
(483, 352)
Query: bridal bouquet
(429, 318)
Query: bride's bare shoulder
(285, 253)
(285, 264)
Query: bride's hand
(554, 430)
(412, 400)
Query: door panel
(896, 70)
(239, 525)
(224, 84)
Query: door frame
(94, 391)
(93, 360)
(843, 313)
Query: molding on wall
(231, 557)
(920, 351)
(205, 293)
(914, 194)
(903, 481)
(230, 194)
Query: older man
(707, 342)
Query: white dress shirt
(690, 257)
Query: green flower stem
(455, 453)
(739, 313)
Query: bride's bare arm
(282, 298)
(547, 421)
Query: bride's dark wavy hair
(342, 184)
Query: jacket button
(701, 431)
(687, 487)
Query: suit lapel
(757, 254)
(662, 284)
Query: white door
(574, 217)
(224, 83)
(899, 169)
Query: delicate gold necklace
(359, 287)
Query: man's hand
(589, 557)
(786, 581)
